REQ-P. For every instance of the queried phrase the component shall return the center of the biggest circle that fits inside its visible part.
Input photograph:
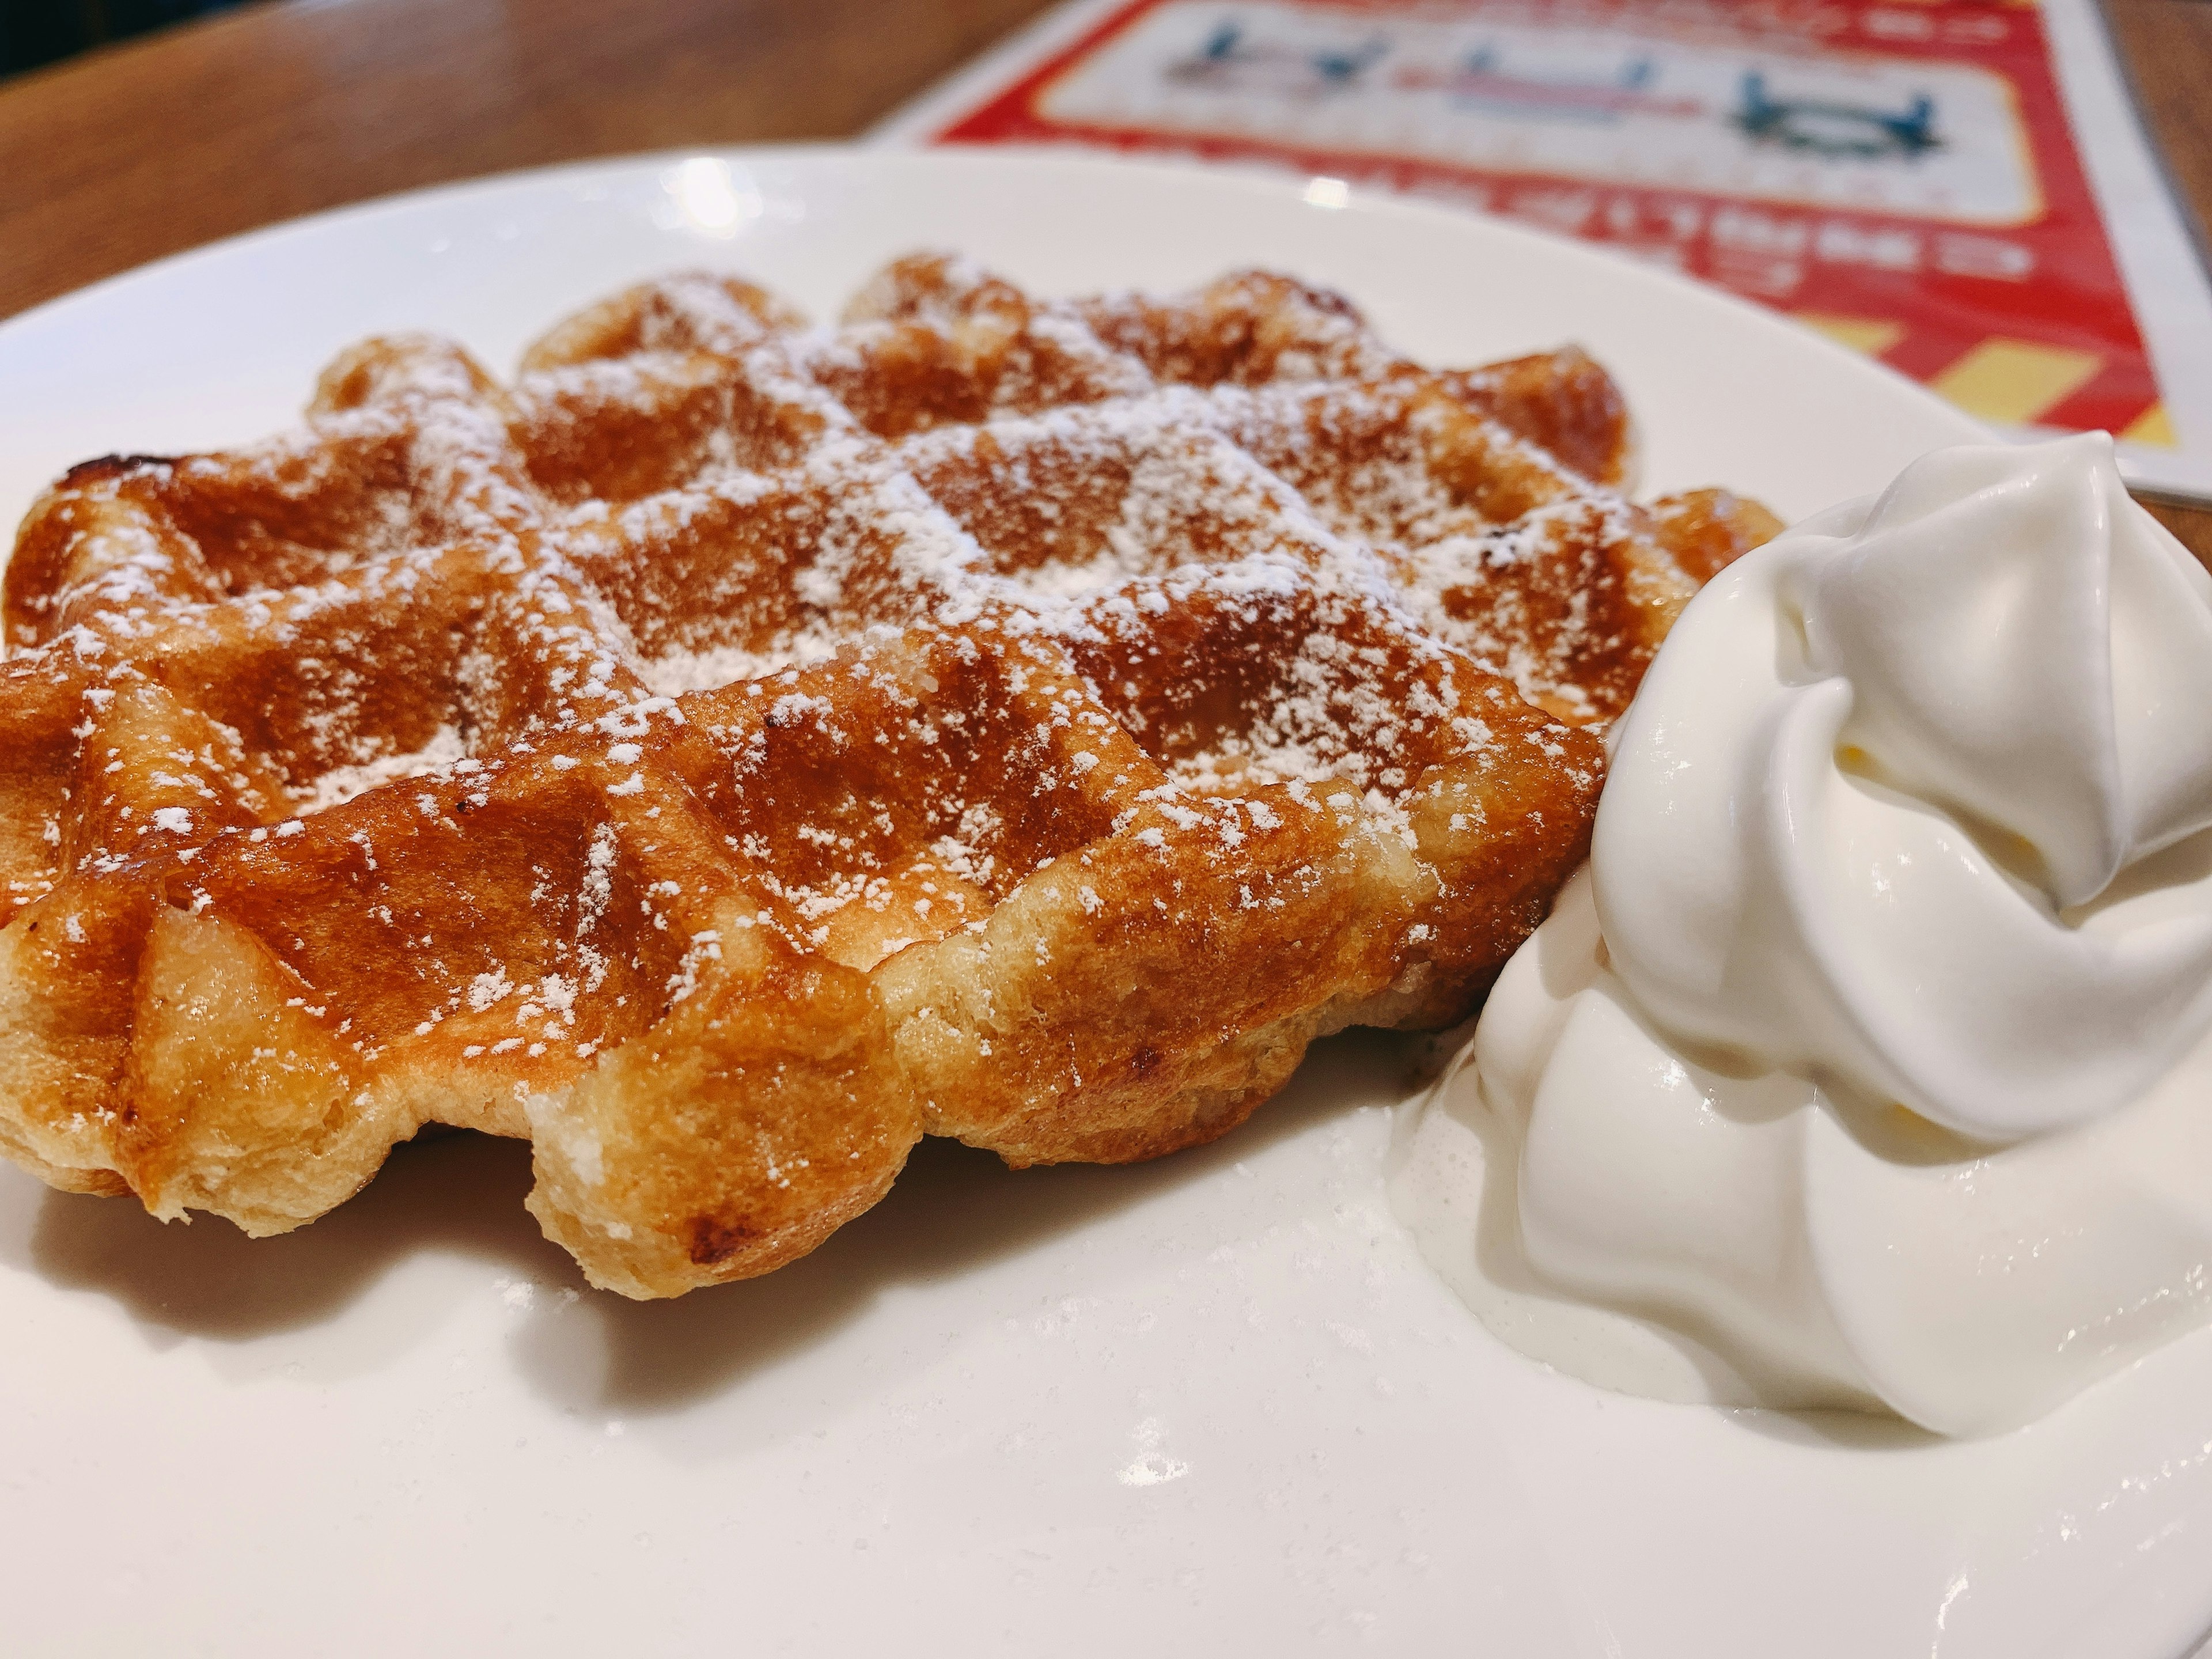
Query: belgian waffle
(735, 749)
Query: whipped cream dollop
(1868, 1063)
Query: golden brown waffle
(734, 751)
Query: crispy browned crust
(732, 751)
(1563, 402)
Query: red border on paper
(2073, 298)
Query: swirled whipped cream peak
(1869, 1065)
(1872, 814)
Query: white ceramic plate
(1213, 1405)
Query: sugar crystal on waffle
(735, 749)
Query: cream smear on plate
(1869, 1062)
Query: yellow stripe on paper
(2013, 382)
(2152, 426)
(1871, 335)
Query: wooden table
(142, 150)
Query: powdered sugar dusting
(341, 783)
(982, 538)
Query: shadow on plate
(1857, 1431)
(953, 1211)
(457, 1193)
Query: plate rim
(1260, 180)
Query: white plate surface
(1212, 1405)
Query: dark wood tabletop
(141, 149)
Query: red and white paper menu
(1958, 187)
